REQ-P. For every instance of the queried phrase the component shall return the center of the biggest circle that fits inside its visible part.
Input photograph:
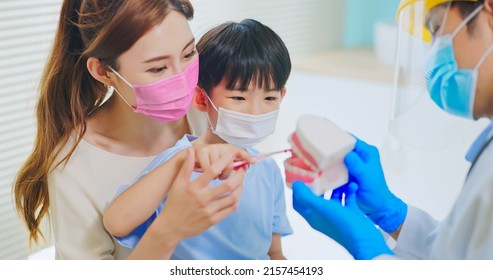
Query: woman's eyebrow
(189, 43)
(157, 58)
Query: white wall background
(26, 31)
(304, 25)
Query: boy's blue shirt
(247, 232)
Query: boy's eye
(157, 69)
(238, 98)
(271, 98)
(191, 54)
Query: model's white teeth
(300, 171)
(297, 152)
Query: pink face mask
(168, 99)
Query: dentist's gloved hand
(373, 196)
(347, 225)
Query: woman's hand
(192, 207)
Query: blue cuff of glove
(372, 253)
(371, 247)
(392, 219)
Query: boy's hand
(207, 155)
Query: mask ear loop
(206, 95)
(444, 19)
(117, 91)
(476, 71)
(207, 114)
(483, 57)
(467, 20)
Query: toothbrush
(239, 164)
(257, 158)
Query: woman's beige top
(79, 193)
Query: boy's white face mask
(240, 129)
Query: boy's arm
(275, 250)
(137, 203)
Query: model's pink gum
(319, 147)
(298, 166)
(303, 154)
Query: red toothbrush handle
(239, 164)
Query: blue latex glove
(347, 225)
(373, 196)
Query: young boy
(243, 70)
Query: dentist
(459, 81)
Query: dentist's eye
(434, 30)
(238, 98)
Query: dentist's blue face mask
(451, 88)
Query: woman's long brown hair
(103, 29)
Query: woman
(87, 147)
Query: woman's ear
(98, 71)
(200, 100)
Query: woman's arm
(137, 203)
(275, 250)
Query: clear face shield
(416, 120)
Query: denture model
(318, 150)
